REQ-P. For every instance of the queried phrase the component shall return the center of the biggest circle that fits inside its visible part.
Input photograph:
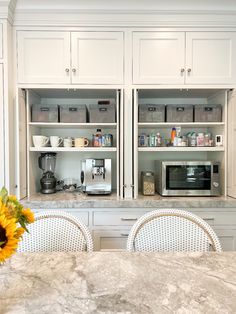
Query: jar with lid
(207, 139)
(147, 183)
(200, 139)
(192, 139)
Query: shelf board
(183, 124)
(181, 149)
(73, 149)
(74, 125)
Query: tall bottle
(173, 135)
(97, 138)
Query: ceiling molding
(7, 9)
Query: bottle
(158, 140)
(173, 135)
(97, 138)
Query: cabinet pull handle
(67, 70)
(124, 235)
(74, 70)
(189, 70)
(182, 70)
(128, 219)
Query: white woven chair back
(171, 230)
(56, 231)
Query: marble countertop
(118, 282)
(76, 200)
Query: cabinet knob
(67, 70)
(74, 70)
(182, 70)
(189, 70)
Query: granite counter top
(118, 282)
(76, 200)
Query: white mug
(56, 141)
(40, 140)
(68, 142)
(81, 142)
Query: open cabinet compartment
(68, 160)
(144, 157)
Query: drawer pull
(208, 219)
(124, 235)
(128, 219)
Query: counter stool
(56, 231)
(172, 230)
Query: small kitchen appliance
(48, 182)
(96, 176)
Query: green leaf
(1, 243)
(4, 194)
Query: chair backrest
(172, 230)
(56, 231)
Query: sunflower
(8, 239)
(19, 232)
(28, 215)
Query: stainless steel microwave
(188, 178)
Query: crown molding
(124, 18)
(7, 10)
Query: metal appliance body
(48, 182)
(188, 178)
(96, 176)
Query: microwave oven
(188, 178)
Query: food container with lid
(147, 183)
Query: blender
(48, 182)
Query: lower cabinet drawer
(213, 218)
(116, 218)
(227, 238)
(110, 240)
(81, 215)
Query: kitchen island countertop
(118, 282)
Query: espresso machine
(96, 176)
(48, 182)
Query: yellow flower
(19, 232)
(12, 198)
(29, 215)
(8, 241)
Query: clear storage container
(147, 183)
(44, 113)
(207, 113)
(73, 113)
(179, 113)
(151, 113)
(102, 113)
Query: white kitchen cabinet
(110, 240)
(227, 237)
(1, 41)
(43, 57)
(184, 58)
(158, 57)
(2, 150)
(70, 58)
(97, 57)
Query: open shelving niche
(68, 162)
(144, 157)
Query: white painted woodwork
(116, 218)
(110, 240)
(1, 41)
(73, 149)
(43, 57)
(181, 149)
(2, 150)
(231, 186)
(158, 57)
(210, 58)
(97, 57)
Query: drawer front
(125, 218)
(110, 240)
(213, 218)
(81, 215)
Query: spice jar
(147, 183)
(200, 139)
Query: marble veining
(76, 200)
(118, 282)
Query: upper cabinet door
(1, 41)
(158, 57)
(2, 150)
(44, 57)
(210, 58)
(97, 57)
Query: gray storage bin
(179, 113)
(151, 113)
(44, 113)
(102, 113)
(73, 113)
(207, 113)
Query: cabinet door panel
(158, 58)
(2, 153)
(1, 41)
(110, 240)
(210, 57)
(97, 57)
(43, 57)
(227, 238)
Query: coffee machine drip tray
(98, 190)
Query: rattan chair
(172, 230)
(56, 231)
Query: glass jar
(192, 140)
(200, 139)
(147, 183)
(207, 139)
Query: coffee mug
(81, 142)
(56, 141)
(40, 140)
(68, 142)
